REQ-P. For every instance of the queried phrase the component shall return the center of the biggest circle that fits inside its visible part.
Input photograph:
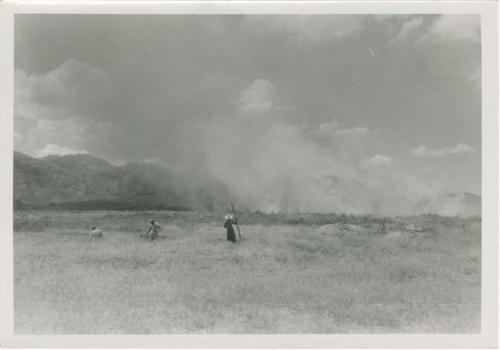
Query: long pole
(237, 225)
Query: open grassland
(289, 274)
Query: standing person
(95, 233)
(228, 225)
(154, 228)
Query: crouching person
(153, 230)
(95, 233)
(228, 225)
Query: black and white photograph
(247, 173)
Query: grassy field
(289, 274)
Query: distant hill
(86, 182)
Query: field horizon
(307, 273)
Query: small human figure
(228, 225)
(153, 230)
(95, 233)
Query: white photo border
(489, 258)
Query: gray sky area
(385, 105)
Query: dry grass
(301, 278)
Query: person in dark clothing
(228, 225)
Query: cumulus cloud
(344, 141)
(72, 88)
(455, 27)
(53, 149)
(79, 134)
(334, 129)
(434, 29)
(353, 131)
(423, 151)
(257, 97)
(455, 37)
(379, 161)
(69, 104)
(328, 128)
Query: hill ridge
(88, 182)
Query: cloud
(346, 142)
(353, 131)
(435, 29)
(328, 128)
(73, 127)
(455, 27)
(72, 88)
(334, 129)
(408, 28)
(53, 149)
(71, 104)
(309, 29)
(257, 97)
(97, 137)
(423, 151)
(379, 161)
(458, 38)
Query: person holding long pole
(236, 220)
(228, 225)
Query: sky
(289, 112)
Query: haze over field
(345, 113)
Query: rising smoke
(270, 164)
